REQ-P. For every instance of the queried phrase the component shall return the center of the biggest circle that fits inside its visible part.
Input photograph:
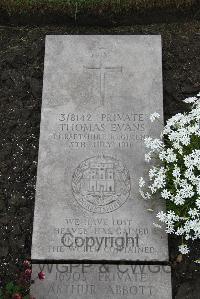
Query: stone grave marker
(98, 93)
(96, 281)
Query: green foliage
(10, 289)
(26, 297)
(20, 285)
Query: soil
(21, 72)
(99, 17)
(99, 13)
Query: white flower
(183, 249)
(180, 231)
(176, 145)
(172, 216)
(156, 144)
(169, 229)
(186, 190)
(165, 194)
(198, 203)
(160, 179)
(148, 195)
(152, 172)
(141, 182)
(153, 144)
(178, 199)
(177, 176)
(161, 216)
(153, 189)
(147, 157)
(193, 160)
(147, 141)
(145, 195)
(193, 212)
(193, 129)
(189, 174)
(157, 225)
(190, 100)
(170, 156)
(154, 116)
(162, 155)
(180, 151)
(176, 172)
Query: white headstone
(98, 94)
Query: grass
(92, 6)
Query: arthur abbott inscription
(98, 93)
(102, 281)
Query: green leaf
(1, 294)
(16, 289)
(10, 287)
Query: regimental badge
(101, 184)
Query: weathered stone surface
(102, 281)
(98, 93)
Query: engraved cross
(103, 70)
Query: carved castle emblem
(101, 184)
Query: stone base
(96, 281)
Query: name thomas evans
(100, 130)
(109, 235)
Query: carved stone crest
(101, 184)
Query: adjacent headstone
(73, 281)
(98, 94)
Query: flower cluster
(21, 287)
(177, 175)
